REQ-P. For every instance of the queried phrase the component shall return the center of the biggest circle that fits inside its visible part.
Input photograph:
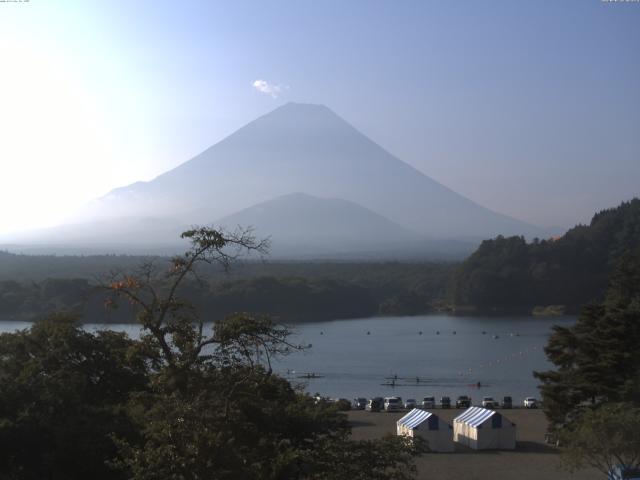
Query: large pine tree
(598, 359)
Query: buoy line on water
(465, 373)
(452, 332)
(405, 381)
(490, 364)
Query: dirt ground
(532, 458)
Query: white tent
(428, 426)
(482, 429)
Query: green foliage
(61, 395)
(509, 273)
(28, 299)
(180, 403)
(292, 299)
(390, 457)
(597, 359)
(291, 292)
(229, 424)
(603, 438)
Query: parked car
(463, 401)
(359, 403)
(429, 402)
(530, 402)
(375, 404)
(410, 403)
(489, 402)
(445, 402)
(623, 472)
(392, 404)
(507, 402)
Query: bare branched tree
(172, 324)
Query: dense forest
(591, 394)
(503, 275)
(511, 274)
(186, 400)
(290, 291)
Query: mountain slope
(128, 235)
(303, 224)
(306, 148)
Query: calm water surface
(360, 357)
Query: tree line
(592, 396)
(505, 274)
(290, 292)
(512, 274)
(186, 401)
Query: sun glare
(73, 124)
(52, 132)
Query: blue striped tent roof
(414, 418)
(475, 416)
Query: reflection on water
(412, 357)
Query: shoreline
(440, 313)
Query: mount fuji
(349, 189)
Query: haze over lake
(353, 363)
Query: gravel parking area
(532, 458)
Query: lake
(385, 356)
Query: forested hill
(511, 274)
(34, 286)
(504, 275)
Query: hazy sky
(531, 108)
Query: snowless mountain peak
(305, 148)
